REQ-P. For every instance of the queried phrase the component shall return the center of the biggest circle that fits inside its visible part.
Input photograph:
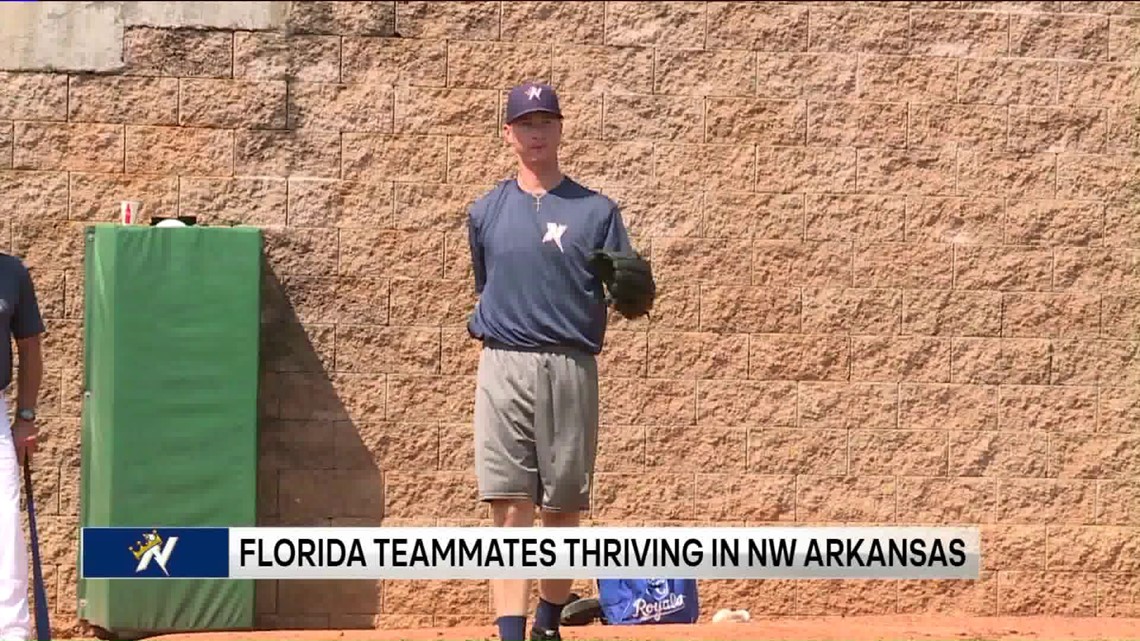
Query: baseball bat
(43, 622)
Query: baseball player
(20, 320)
(541, 316)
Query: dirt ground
(894, 628)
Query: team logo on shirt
(554, 233)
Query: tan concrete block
(903, 265)
(1058, 129)
(341, 107)
(383, 157)
(857, 124)
(705, 167)
(340, 203)
(849, 217)
(450, 20)
(424, 493)
(900, 358)
(929, 172)
(97, 196)
(765, 122)
(767, 27)
(1058, 36)
(721, 497)
(431, 303)
(1006, 361)
(952, 312)
(849, 28)
(1037, 593)
(701, 355)
(609, 70)
(946, 501)
(245, 201)
(622, 496)
(497, 65)
(1118, 409)
(178, 53)
(1046, 501)
(367, 18)
(744, 403)
(1004, 268)
(831, 498)
(1096, 269)
(68, 146)
(644, 24)
(636, 401)
(970, 126)
(668, 118)
(704, 73)
(701, 260)
(842, 405)
(387, 350)
(950, 597)
(391, 253)
(179, 150)
(799, 357)
(777, 263)
(797, 451)
(1091, 84)
(476, 161)
(907, 78)
(275, 56)
(735, 308)
(814, 76)
(34, 196)
(1004, 81)
(851, 311)
(651, 213)
(798, 169)
(395, 62)
(1023, 454)
(959, 34)
(123, 99)
(569, 22)
(291, 250)
(695, 449)
(287, 153)
(33, 96)
(1100, 456)
(423, 398)
(1040, 315)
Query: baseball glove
(629, 281)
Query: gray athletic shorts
(536, 426)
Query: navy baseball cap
(531, 97)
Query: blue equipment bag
(648, 601)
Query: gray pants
(536, 426)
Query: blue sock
(547, 615)
(512, 628)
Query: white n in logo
(160, 554)
(554, 233)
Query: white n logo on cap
(534, 93)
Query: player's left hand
(25, 435)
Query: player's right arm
(475, 243)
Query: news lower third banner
(827, 552)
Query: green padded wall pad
(169, 429)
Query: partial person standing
(541, 315)
(20, 323)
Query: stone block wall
(897, 245)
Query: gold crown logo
(152, 539)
